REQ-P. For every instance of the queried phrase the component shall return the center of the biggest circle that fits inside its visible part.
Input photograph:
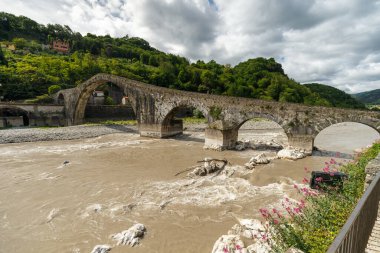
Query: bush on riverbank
(312, 223)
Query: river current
(111, 182)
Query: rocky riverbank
(17, 135)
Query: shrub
(43, 99)
(54, 89)
(109, 101)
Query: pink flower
(225, 250)
(295, 186)
(319, 179)
(238, 247)
(326, 169)
(275, 210)
(275, 221)
(287, 199)
(297, 210)
(305, 180)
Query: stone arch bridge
(155, 108)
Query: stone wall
(110, 111)
(372, 168)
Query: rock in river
(131, 236)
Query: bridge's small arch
(262, 131)
(14, 116)
(61, 99)
(186, 117)
(345, 137)
(104, 100)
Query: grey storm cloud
(333, 42)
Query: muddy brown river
(114, 181)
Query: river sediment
(70, 195)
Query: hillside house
(61, 46)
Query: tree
(3, 61)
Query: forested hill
(336, 97)
(369, 97)
(28, 67)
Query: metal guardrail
(353, 237)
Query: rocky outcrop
(229, 244)
(131, 237)
(101, 249)
(292, 153)
(209, 166)
(259, 159)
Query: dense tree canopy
(336, 97)
(31, 69)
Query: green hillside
(30, 69)
(369, 97)
(336, 97)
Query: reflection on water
(114, 181)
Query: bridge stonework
(39, 115)
(155, 108)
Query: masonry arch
(14, 116)
(345, 137)
(61, 99)
(262, 132)
(196, 115)
(87, 89)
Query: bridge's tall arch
(87, 90)
(14, 116)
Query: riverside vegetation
(312, 223)
(30, 69)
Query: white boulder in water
(131, 236)
(260, 159)
(101, 249)
(291, 153)
(229, 244)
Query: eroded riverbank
(113, 181)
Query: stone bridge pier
(155, 108)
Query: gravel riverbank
(15, 135)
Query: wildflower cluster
(311, 223)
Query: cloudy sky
(336, 42)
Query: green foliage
(109, 101)
(54, 89)
(3, 61)
(334, 96)
(42, 99)
(197, 114)
(35, 70)
(312, 224)
(215, 112)
(369, 97)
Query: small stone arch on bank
(61, 99)
(11, 116)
